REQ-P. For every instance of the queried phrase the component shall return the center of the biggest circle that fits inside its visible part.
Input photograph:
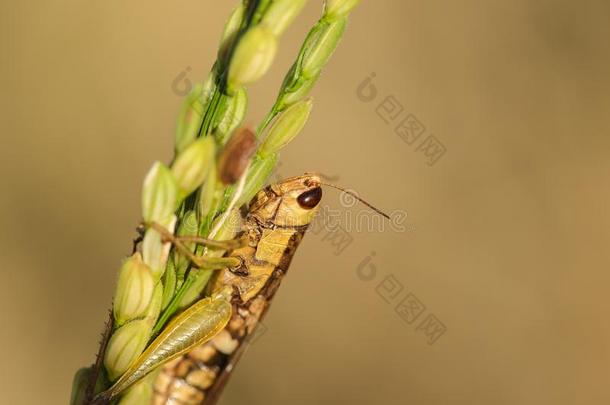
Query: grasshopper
(199, 348)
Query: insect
(199, 348)
(275, 224)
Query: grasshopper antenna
(326, 177)
(377, 210)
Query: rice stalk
(217, 168)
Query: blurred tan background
(508, 242)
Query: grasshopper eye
(310, 199)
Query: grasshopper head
(290, 203)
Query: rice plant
(218, 166)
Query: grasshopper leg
(216, 263)
(220, 244)
(205, 263)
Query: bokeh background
(508, 234)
